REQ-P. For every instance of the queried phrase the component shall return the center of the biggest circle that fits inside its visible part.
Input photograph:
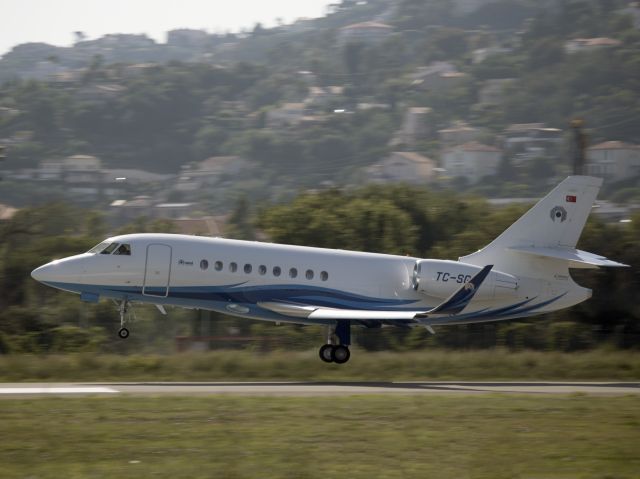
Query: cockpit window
(99, 247)
(109, 249)
(123, 249)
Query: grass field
(283, 365)
(500, 436)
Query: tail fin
(550, 229)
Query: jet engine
(441, 278)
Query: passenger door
(157, 271)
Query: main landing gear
(337, 353)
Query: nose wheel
(337, 353)
(123, 333)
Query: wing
(452, 305)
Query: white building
(472, 161)
(210, 172)
(613, 160)
(287, 115)
(402, 167)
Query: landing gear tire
(326, 353)
(123, 333)
(340, 354)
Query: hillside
(324, 101)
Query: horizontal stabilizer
(575, 257)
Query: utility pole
(2, 157)
(578, 146)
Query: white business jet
(524, 271)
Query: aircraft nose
(64, 270)
(43, 273)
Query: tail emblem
(558, 213)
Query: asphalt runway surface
(8, 390)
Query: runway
(112, 389)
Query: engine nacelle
(441, 278)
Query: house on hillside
(458, 133)
(472, 161)
(187, 38)
(402, 167)
(437, 76)
(613, 160)
(195, 176)
(525, 141)
(578, 45)
(321, 97)
(493, 92)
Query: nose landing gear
(337, 353)
(124, 307)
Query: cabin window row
(262, 270)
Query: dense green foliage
(286, 364)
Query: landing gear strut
(123, 307)
(337, 353)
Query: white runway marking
(57, 390)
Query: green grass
(282, 365)
(495, 436)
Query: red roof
(367, 25)
(475, 146)
(614, 145)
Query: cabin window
(276, 271)
(124, 250)
(324, 276)
(109, 249)
(204, 264)
(293, 273)
(233, 267)
(248, 268)
(309, 274)
(262, 270)
(218, 265)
